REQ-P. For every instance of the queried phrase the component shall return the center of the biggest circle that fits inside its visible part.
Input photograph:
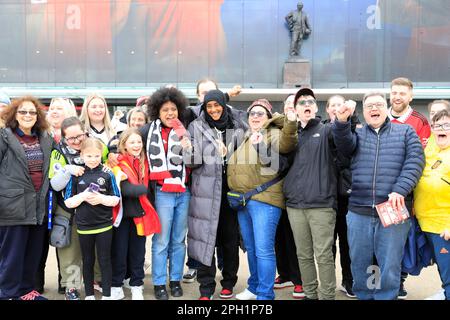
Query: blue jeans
(367, 237)
(172, 209)
(258, 222)
(441, 250)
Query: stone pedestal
(297, 73)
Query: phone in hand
(93, 187)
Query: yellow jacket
(432, 193)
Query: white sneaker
(126, 283)
(89, 298)
(437, 296)
(190, 276)
(117, 293)
(136, 293)
(246, 295)
(107, 298)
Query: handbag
(61, 232)
(60, 225)
(238, 201)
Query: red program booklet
(180, 130)
(389, 216)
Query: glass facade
(128, 43)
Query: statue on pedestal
(300, 28)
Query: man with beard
(401, 112)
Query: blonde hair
(92, 143)
(84, 117)
(69, 106)
(122, 150)
(402, 81)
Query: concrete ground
(418, 287)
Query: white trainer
(246, 295)
(437, 296)
(136, 293)
(107, 298)
(117, 293)
(89, 298)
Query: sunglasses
(25, 112)
(258, 114)
(309, 102)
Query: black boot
(175, 289)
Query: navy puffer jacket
(391, 160)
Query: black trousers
(286, 251)
(340, 231)
(228, 239)
(20, 255)
(128, 254)
(102, 242)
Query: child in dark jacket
(93, 194)
(136, 220)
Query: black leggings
(88, 243)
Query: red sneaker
(33, 295)
(226, 294)
(205, 298)
(298, 292)
(280, 283)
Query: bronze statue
(300, 28)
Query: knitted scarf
(169, 166)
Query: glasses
(444, 126)
(309, 102)
(25, 112)
(258, 114)
(377, 105)
(79, 138)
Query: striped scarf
(169, 166)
